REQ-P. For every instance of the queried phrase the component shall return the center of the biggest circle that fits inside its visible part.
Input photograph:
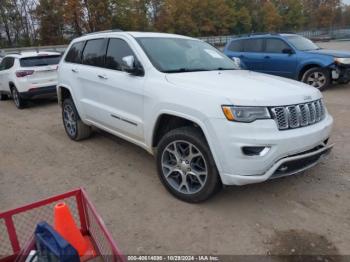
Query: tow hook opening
(256, 150)
(283, 168)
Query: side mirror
(130, 65)
(288, 51)
(238, 62)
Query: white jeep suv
(208, 123)
(28, 75)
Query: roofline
(104, 31)
(132, 34)
(266, 34)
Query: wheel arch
(11, 85)
(62, 93)
(168, 121)
(307, 67)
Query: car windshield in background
(40, 61)
(302, 43)
(175, 55)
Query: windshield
(302, 43)
(40, 61)
(174, 55)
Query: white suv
(208, 123)
(28, 75)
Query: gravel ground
(305, 214)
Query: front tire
(20, 103)
(186, 166)
(74, 126)
(319, 78)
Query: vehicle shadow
(41, 102)
(336, 86)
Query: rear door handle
(267, 57)
(75, 70)
(102, 77)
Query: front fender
(188, 113)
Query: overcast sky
(346, 2)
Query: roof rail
(13, 53)
(105, 31)
(254, 34)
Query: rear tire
(317, 77)
(186, 166)
(74, 126)
(20, 103)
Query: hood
(246, 88)
(334, 53)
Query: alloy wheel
(69, 120)
(15, 97)
(317, 79)
(184, 167)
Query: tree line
(53, 22)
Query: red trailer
(17, 227)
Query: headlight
(246, 114)
(344, 61)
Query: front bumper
(289, 166)
(291, 151)
(47, 91)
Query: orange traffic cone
(65, 225)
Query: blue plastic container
(52, 247)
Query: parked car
(291, 56)
(207, 122)
(28, 75)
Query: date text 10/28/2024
(173, 258)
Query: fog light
(255, 150)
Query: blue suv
(291, 56)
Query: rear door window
(275, 46)
(94, 52)
(117, 49)
(40, 60)
(253, 45)
(235, 46)
(75, 52)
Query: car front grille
(301, 115)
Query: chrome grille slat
(301, 115)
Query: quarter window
(7, 63)
(275, 46)
(117, 49)
(94, 52)
(74, 54)
(253, 45)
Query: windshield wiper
(222, 69)
(185, 70)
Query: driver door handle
(75, 70)
(102, 77)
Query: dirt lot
(306, 214)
